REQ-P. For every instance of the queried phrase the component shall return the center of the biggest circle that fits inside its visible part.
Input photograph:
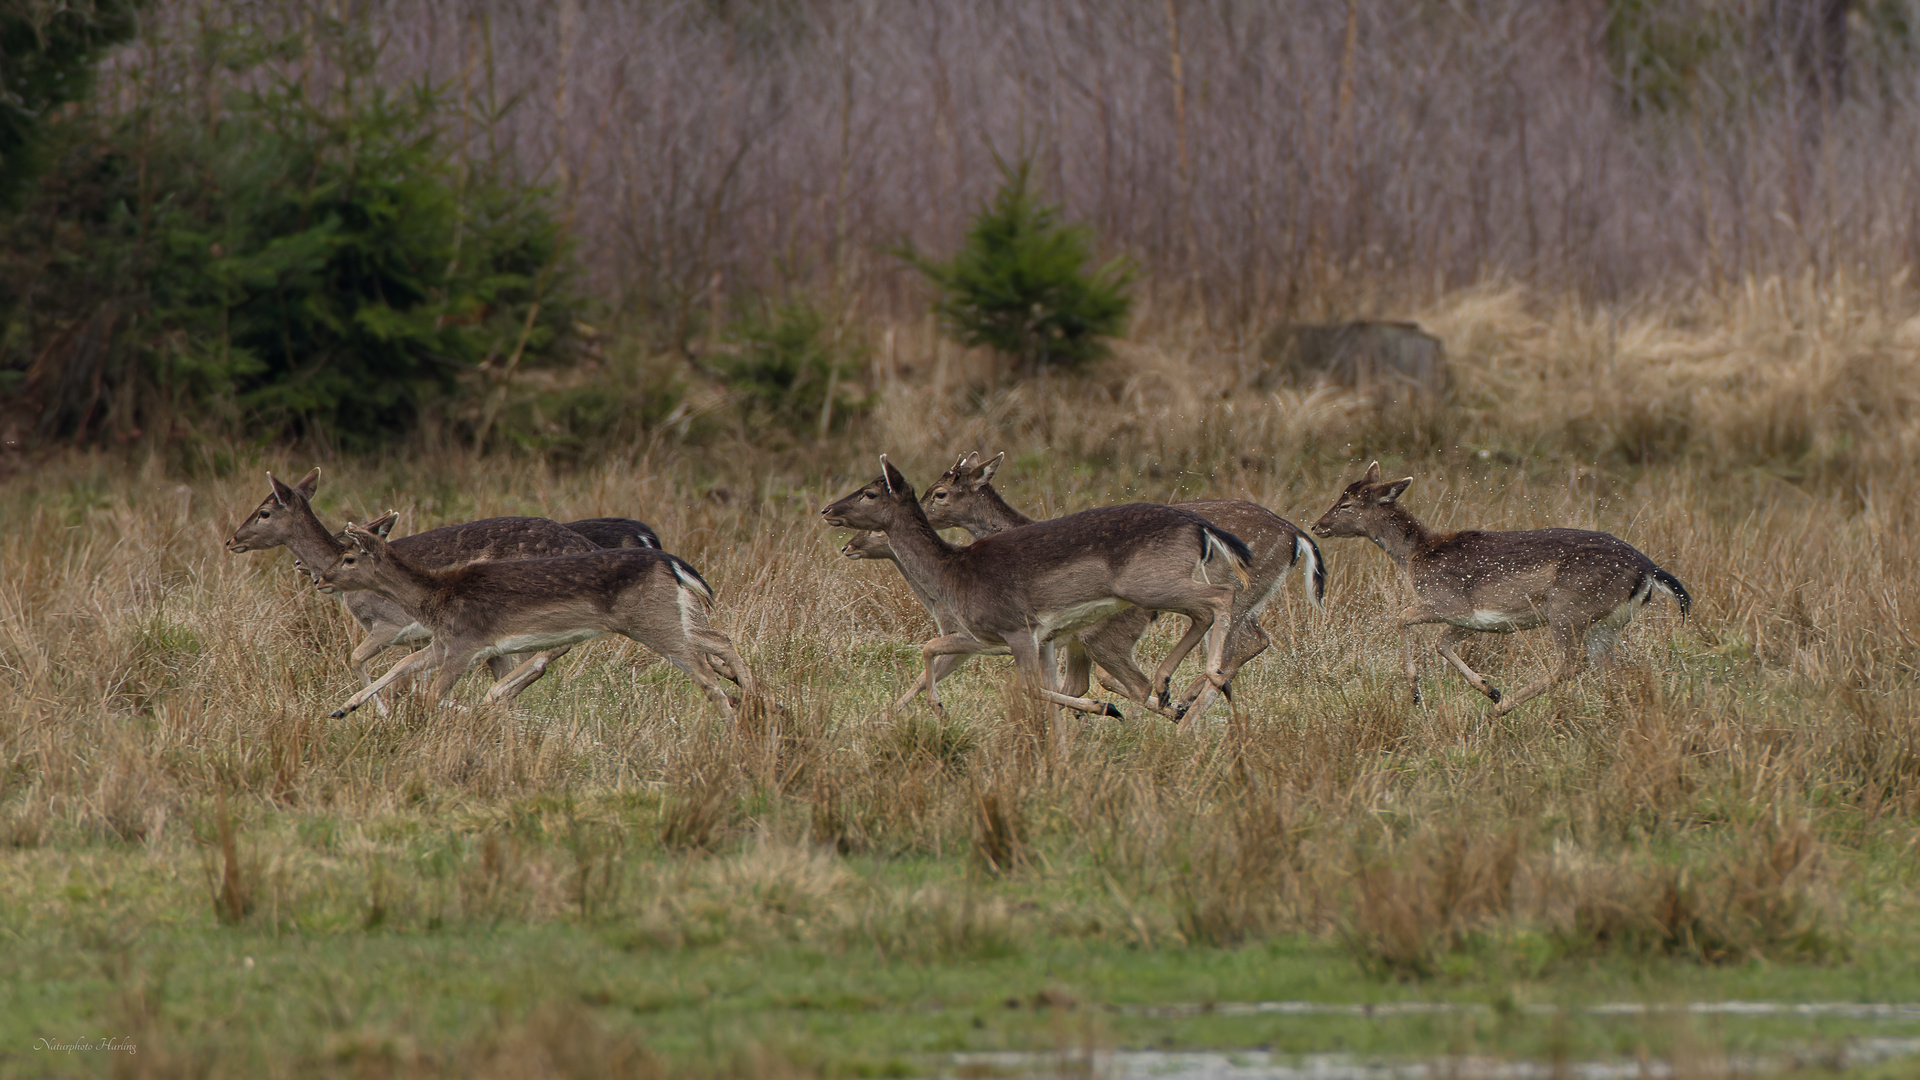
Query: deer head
(1364, 508)
(272, 523)
(876, 506)
(962, 498)
(366, 558)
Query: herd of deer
(519, 592)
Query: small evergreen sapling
(1020, 283)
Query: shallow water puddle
(1841, 1009)
(1256, 1065)
(1843, 1053)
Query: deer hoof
(339, 714)
(1113, 712)
(1493, 694)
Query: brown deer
(285, 518)
(1584, 586)
(964, 496)
(873, 545)
(502, 608)
(1021, 589)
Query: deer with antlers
(1583, 586)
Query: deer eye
(941, 494)
(264, 515)
(348, 560)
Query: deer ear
(1394, 491)
(1373, 473)
(987, 470)
(896, 483)
(383, 524)
(282, 494)
(309, 483)
(962, 463)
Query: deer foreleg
(957, 645)
(1109, 645)
(424, 660)
(1417, 615)
(1450, 639)
(375, 643)
(942, 667)
(508, 686)
(1034, 661)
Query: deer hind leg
(1448, 647)
(1248, 640)
(716, 649)
(691, 660)
(1570, 636)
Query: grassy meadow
(602, 880)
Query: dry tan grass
(1710, 795)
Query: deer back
(616, 532)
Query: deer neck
(1399, 534)
(921, 552)
(406, 584)
(998, 516)
(310, 541)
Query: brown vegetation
(1704, 797)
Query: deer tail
(1313, 568)
(1670, 585)
(1216, 541)
(690, 579)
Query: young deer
(1584, 586)
(964, 496)
(285, 518)
(489, 609)
(1021, 589)
(873, 545)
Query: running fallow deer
(1019, 590)
(285, 518)
(873, 545)
(501, 608)
(964, 496)
(1584, 586)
